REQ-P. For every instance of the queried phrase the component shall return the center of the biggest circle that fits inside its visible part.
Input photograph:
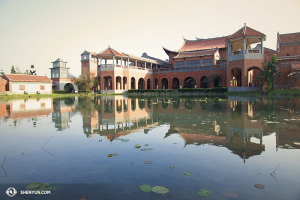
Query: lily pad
(49, 188)
(172, 167)
(147, 162)
(110, 155)
(204, 192)
(143, 149)
(33, 186)
(55, 188)
(115, 154)
(259, 186)
(45, 184)
(188, 173)
(137, 146)
(149, 149)
(160, 189)
(146, 188)
(124, 140)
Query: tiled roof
(111, 51)
(246, 31)
(290, 37)
(27, 78)
(184, 54)
(296, 65)
(192, 45)
(141, 58)
(58, 60)
(157, 59)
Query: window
(43, 105)
(21, 87)
(207, 62)
(42, 87)
(192, 63)
(179, 64)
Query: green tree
(269, 73)
(33, 72)
(12, 71)
(1, 73)
(85, 81)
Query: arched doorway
(253, 72)
(141, 83)
(124, 83)
(148, 84)
(175, 83)
(236, 79)
(69, 87)
(164, 83)
(156, 84)
(204, 82)
(107, 83)
(189, 82)
(118, 83)
(132, 83)
(218, 81)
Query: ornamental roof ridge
(58, 60)
(150, 57)
(202, 39)
(243, 31)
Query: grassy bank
(39, 96)
(271, 93)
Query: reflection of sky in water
(82, 160)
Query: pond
(107, 147)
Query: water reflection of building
(26, 108)
(242, 126)
(63, 109)
(115, 116)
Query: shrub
(60, 91)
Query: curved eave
(169, 51)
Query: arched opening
(218, 81)
(119, 106)
(204, 82)
(156, 84)
(165, 103)
(69, 101)
(141, 103)
(164, 83)
(141, 83)
(132, 83)
(124, 83)
(189, 82)
(125, 105)
(189, 104)
(69, 87)
(253, 72)
(108, 106)
(133, 104)
(118, 83)
(148, 84)
(107, 83)
(236, 77)
(175, 83)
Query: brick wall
(2, 85)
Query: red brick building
(231, 61)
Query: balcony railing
(249, 54)
(110, 67)
(188, 69)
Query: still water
(228, 145)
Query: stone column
(100, 61)
(113, 60)
(121, 62)
(151, 67)
(145, 65)
(127, 62)
(135, 63)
